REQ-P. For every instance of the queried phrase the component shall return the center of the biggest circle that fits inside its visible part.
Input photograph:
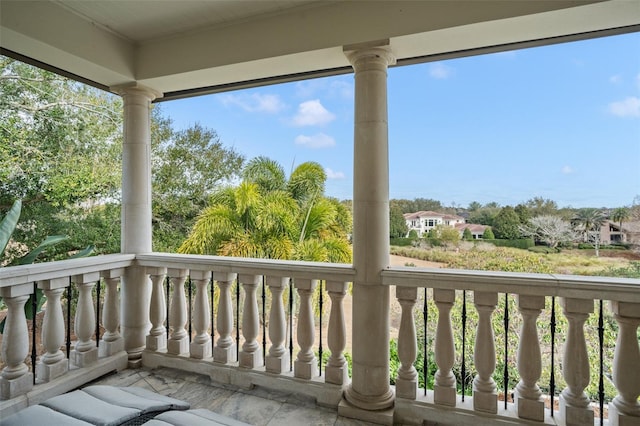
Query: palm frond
(266, 173)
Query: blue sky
(559, 122)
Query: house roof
(429, 213)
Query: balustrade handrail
(581, 287)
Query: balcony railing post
(445, 381)
(200, 347)
(485, 394)
(53, 363)
(85, 352)
(112, 341)
(277, 360)
(528, 397)
(574, 403)
(178, 343)
(625, 408)
(407, 381)
(306, 365)
(157, 337)
(251, 354)
(337, 371)
(225, 350)
(15, 379)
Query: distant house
(423, 221)
(476, 230)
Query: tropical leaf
(267, 174)
(83, 253)
(307, 181)
(49, 241)
(9, 223)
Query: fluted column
(574, 403)
(157, 337)
(306, 365)
(337, 371)
(53, 363)
(625, 408)
(251, 353)
(201, 345)
(528, 397)
(407, 381)
(15, 379)
(444, 389)
(85, 352)
(225, 350)
(369, 388)
(277, 360)
(112, 341)
(178, 343)
(485, 395)
(136, 214)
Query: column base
(111, 348)
(200, 350)
(48, 372)
(305, 370)
(225, 355)
(406, 388)
(528, 408)
(84, 359)
(616, 418)
(575, 416)
(251, 359)
(178, 346)
(444, 395)
(336, 375)
(277, 364)
(10, 388)
(485, 402)
(157, 343)
(383, 417)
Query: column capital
(365, 54)
(134, 88)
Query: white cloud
(312, 113)
(440, 71)
(615, 79)
(567, 170)
(630, 107)
(256, 102)
(333, 175)
(319, 140)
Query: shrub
(523, 243)
(543, 249)
(401, 242)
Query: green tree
(467, 235)
(484, 215)
(539, 206)
(620, 214)
(488, 234)
(506, 224)
(397, 224)
(523, 213)
(473, 206)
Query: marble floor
(257, 406)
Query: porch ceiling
(181, 47)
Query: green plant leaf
(49, 241)
(84, 253)
(9, 223)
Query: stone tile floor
(258, 406)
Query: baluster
(15, 379)
(445, 382)
(200, 347)
(574, 404)
(485, 394)
(53, 363)
(157, 337)
(278, 357)
(225, 350)
(528, 397)
(251, 354)
(306, 365)
(85, 352)
(178, 343)
(112, 341)
(336, 371)
(625, 408)
(407, 381)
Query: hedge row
(524, 243)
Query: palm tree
(589, 221)
(620, 214)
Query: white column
(136, 214)
(112, 342)
(225, 350)
(15, 378)
(306, 365)
(53, 363)
(277, 361)
(574, 403)
(201, 345)
(407, 381)
(251, 353)
(178, 343)
(485, 395)
(337, 371)
(369, 389)
(157, 337)
(85, 352)
(625, 408)
(528, 397)
(444, 389)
